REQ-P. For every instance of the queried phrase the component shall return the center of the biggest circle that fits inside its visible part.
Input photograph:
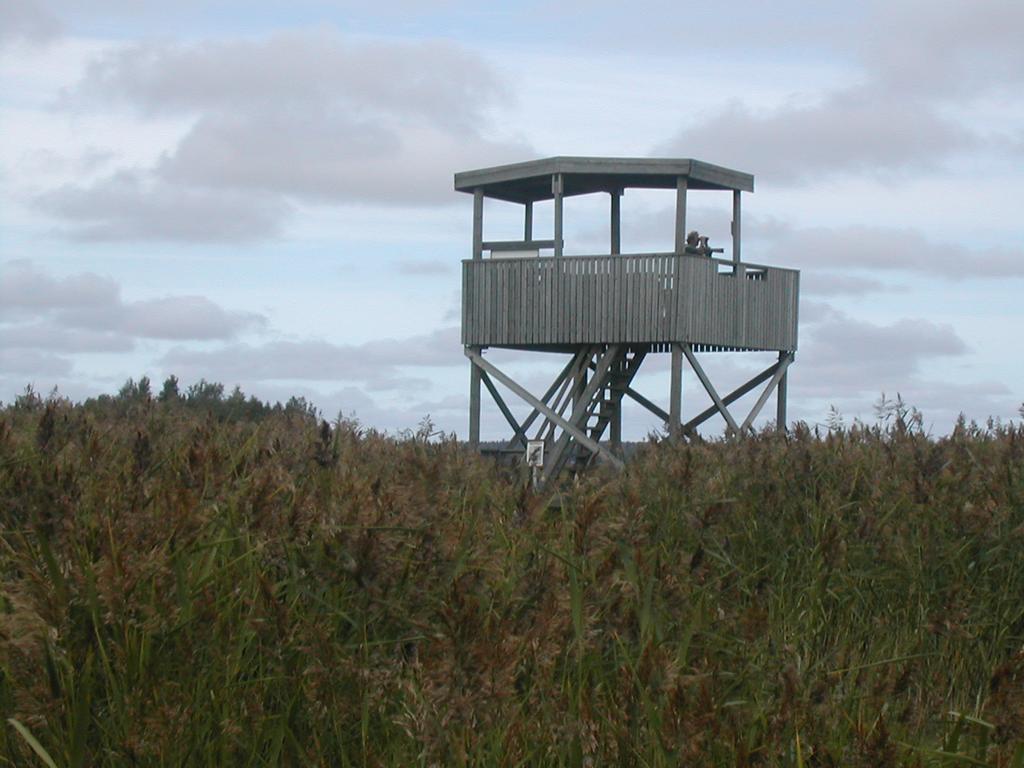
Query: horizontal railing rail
(635, 298)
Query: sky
(260, 194)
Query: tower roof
(531, 181)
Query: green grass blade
(32, 742)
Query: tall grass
(187, 589)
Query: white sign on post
(535, 453)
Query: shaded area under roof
(531, 181)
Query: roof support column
(616, 222)
(478, 223)
(528, 221)
(681, 185)
(556, 191)
(736, 225)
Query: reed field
(194, 579)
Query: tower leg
(474, 403)
(780, 401)
(675, 406)
(615, 424)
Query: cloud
(377, 362)
(31, 362)
(950, 50)
(26, 21)
(882, 248)
(51, 336)
(907, 109)
(856, 130)
(850, 357)
(27, 289)
(85, 312)
(826, 255)
(131, 206)
(832, 284)
(305, 117)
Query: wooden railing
(656, 298)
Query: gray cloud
(831, 284)
(377, 362)
(300, 117)
(130, 206)
(882, 248)
(857, 130)
(26, 21)
(27, 289)
(922, 66)
(50, 336)
(958, 49)
(31, 363)
(846, 356)
(318, 68)
(826, 255)
(85, 312)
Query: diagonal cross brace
(733, 396)
(542, 407)
(722, 409)
(780, 371)
(520, 433)
(557, 384)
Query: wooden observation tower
(609, 311)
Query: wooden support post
(615, 420)
(556, 190)
(528, 221)
(681, 185)
(474, 400)
(478, 223)
(615, 385)
(780, 404)
(675, 404)
(616, 222)
(736, 225)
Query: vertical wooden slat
(527, 286)
(630, 283)
(541, 305)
